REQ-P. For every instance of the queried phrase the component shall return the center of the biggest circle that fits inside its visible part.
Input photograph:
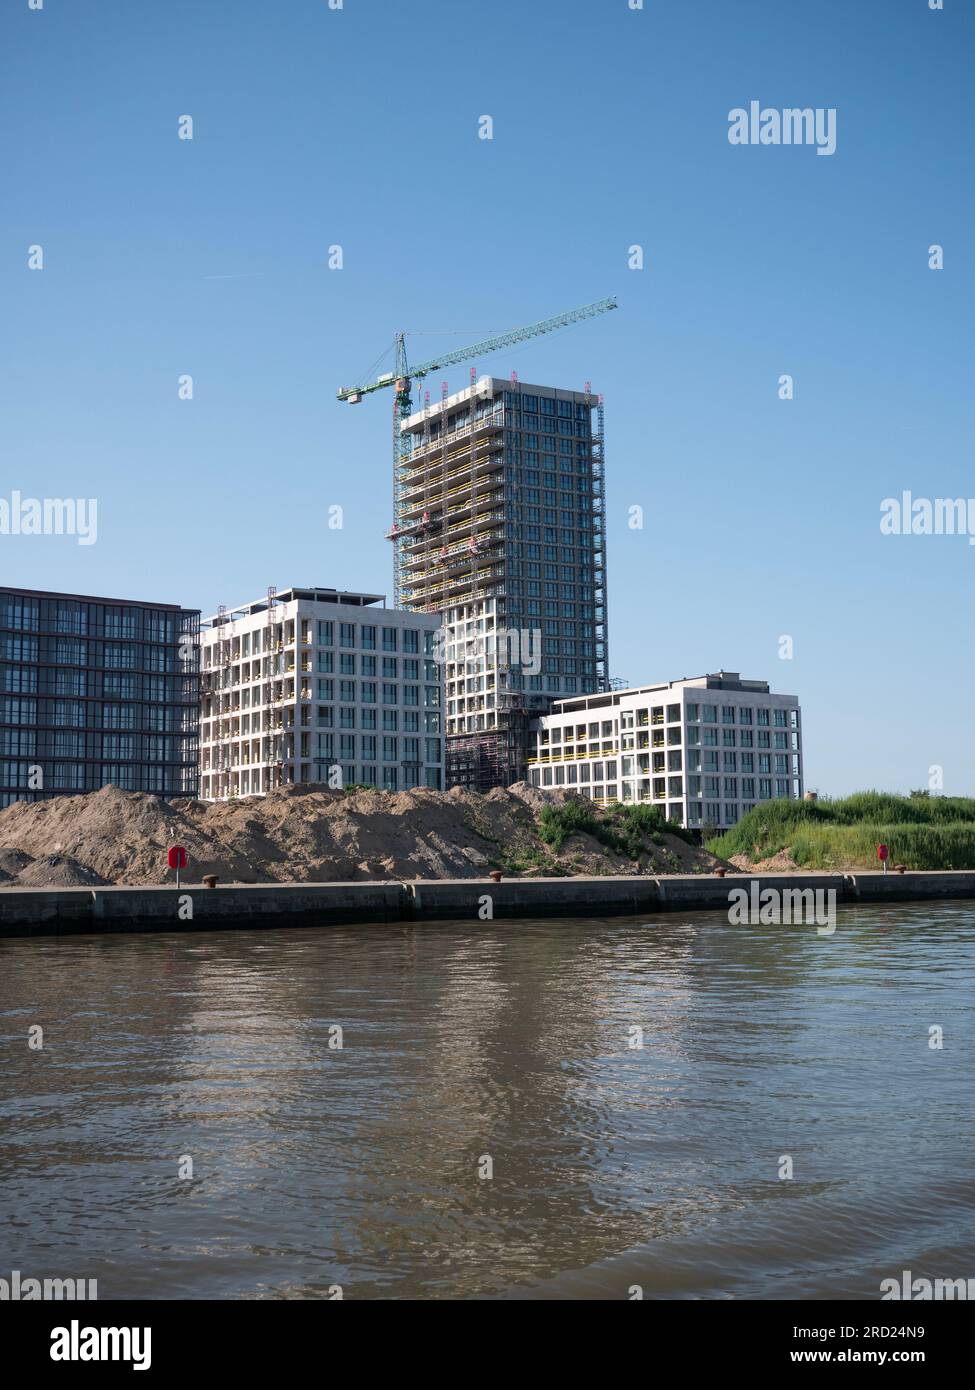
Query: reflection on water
(612, 1165)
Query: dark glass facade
(96, 691)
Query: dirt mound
(11, 863)
(312, 834)
(58, 871)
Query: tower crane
(401, 381)
(404, 375)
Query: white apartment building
(319, 685)
(705, 750)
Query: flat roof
(491, 385)
(313, 594)
(716, 680)
(96, 598)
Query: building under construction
(500, 528)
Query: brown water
(612, 1166)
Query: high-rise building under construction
(500, 527)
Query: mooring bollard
(209, 880)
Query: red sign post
(883, 854)
(177, 859)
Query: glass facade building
(96, 691)
(500, 529)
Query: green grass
(623, 829)
(923, 832)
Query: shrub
(557, 823)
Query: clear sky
(358, 127)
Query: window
(22, 742)
(113, 745)
(326, 634)
(22, 678)
(368, 642)
(346, 634)
(68, 653)
(69, 776)
(14, 711)
(389, 639)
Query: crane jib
(354, 394)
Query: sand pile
(307, 834)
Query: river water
(487, 1127)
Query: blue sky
(358, 127)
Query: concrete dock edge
(75, 911)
